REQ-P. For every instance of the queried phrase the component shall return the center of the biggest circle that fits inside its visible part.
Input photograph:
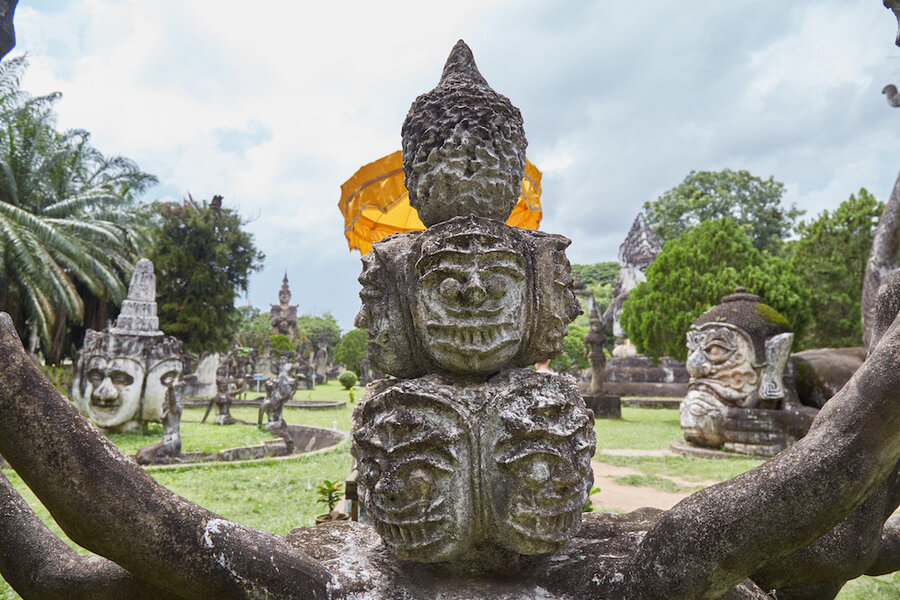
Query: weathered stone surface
(604, 406)
(463, 146)
(417, 444)
(639, 376)
(169, 449)
(121, 374)
(469, 296)
(593, 347)
(637, 252)
(365, 569)
(820, 373)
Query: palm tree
(69, 220)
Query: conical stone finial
(463, 146)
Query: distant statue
(168, 450)
(284, 315)
(278, 392)
(593, 346)
(320, 360)
(225, 394)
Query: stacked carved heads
(474, 451)
(737, 352)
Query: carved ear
(778, 349)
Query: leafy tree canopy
(572, 354)
(254, 327)
(351, 350)
(691, 275)
(830, 261)
(311, 327)
(598, 273)
(753, 203)
(203, 260)
(70, 227)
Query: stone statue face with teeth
(470, 303)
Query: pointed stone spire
(138, 314)
(640, 246)
(463, 146)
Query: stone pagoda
(284, 315)
(122, 374)
(467, 455)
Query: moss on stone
(771, 316)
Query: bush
(280, 343)
(348, 379)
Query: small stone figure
(168, 450)
(468, 454)
(119, 372)
(737, 355)
(320, 360)
(278, 391)
(283, 315)
(225, 392)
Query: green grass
(639, 429)
(656, 482)
(278, 495)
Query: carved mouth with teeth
(547, 531)
(417, 540)
(473, 347)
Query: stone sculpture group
(452, 312)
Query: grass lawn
(278, 495)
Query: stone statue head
(469, 296)
(463, 146)
(414, 455)
(894, 6)
(536, 446)
(122, 380)
(737, 352)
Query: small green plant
(589, 506)
(329, 493)
(280, 343)
(348, 379)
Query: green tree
(351, 350)
(691, 275)
(311, 327)
(70, 226)
(754, 203)
(572, 351)
(830, 260)
(254, 327)
(203, 260)
(599, 273)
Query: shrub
(280, 343)
(348, 379)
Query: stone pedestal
(605, 406)
(763, 432)
(638, 376)
(366, 570)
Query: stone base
(686, 448)
(605, 406)
(638, 376)
(762, 432)
(366, 570)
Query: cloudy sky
(273, 104)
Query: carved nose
(565, 478)
(106, 390)
(474, 293)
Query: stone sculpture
(226, 389)
(121, 374)
(737, 352)
(284, 315)
(593, 347)
(278, 391)
(801, 524)
(492, 456)
(168, 450)
(320, 360)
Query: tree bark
(882, 257)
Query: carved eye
(121, 378)
(496, 286)
(420, 483)
(538, 472)
(450, 288)
(95, 376)
(716, 351)
(167, 378)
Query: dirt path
(625, 498)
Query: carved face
(414, 465)
(113, 389)
(470, 304)
(703, 418)
(722, 358)
(159, 376)
(537, 464)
